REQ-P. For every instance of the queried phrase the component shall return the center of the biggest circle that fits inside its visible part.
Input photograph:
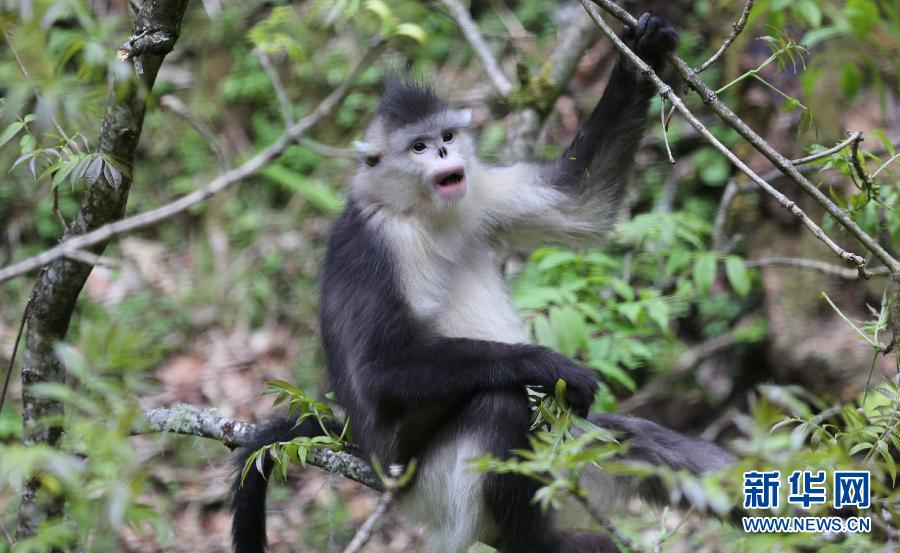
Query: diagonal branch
(736, 29)
(220, 183)
(669, 93)
(781, 162)
(476, 40)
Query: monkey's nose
(442, 152)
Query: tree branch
(854, 137)
(782, 163)
(175, 105)
(56, 292)
(525, 124)
(218, 184)
(473, 35)
(284, 101)
(364, 533)
(205, 423)
(669, 93)
(815, 265)
(736, 29)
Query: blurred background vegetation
(683, 321)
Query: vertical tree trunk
(53, 300)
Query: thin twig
(782, 163)
(669, 93)
(665, 128)
(89, 258)
(815, 265)
(459, 13)
(690, 359)
(54, 193)
(176, 106)
(325, 150)
(284, 101)
(218, 184)
(736, 29)
(858, 166)
(524, 125)
(6, 534)
(12, 356)
(37, 93)
(608, 526)
(885, 164)
(516, 30)
(364, 533)
(732, 189)
(854, 137)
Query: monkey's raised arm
(578, 193)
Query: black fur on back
(407, 100)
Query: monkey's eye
(448, 136)
(419, 147)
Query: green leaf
(320, 196)
(27, 143)
(631, 311)
(570, 329)
(790, 104)
(11, 131)
(615, 373)
(622, 288)
(413, 31)
(862, 15)
(737, 274)
(658, 311)
(704, 272)
(810, 11)
(850, 80)
(543, 332)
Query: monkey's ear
(367, 153)
(465, 117)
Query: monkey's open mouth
(451, 184)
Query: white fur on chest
(451, 279)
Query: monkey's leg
(502, 419)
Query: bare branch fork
(220, 183)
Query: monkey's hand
(581, 388)
(653, 39)
(581, 382)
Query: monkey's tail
(653, 444)
(248, 498)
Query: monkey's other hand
(581, 387)
(653, 39)
(581, 384)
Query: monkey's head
(415, 152)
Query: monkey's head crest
(406, 100)
(415, 152)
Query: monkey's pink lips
(451, 184)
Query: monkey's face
(419, 167)
(441, 165)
